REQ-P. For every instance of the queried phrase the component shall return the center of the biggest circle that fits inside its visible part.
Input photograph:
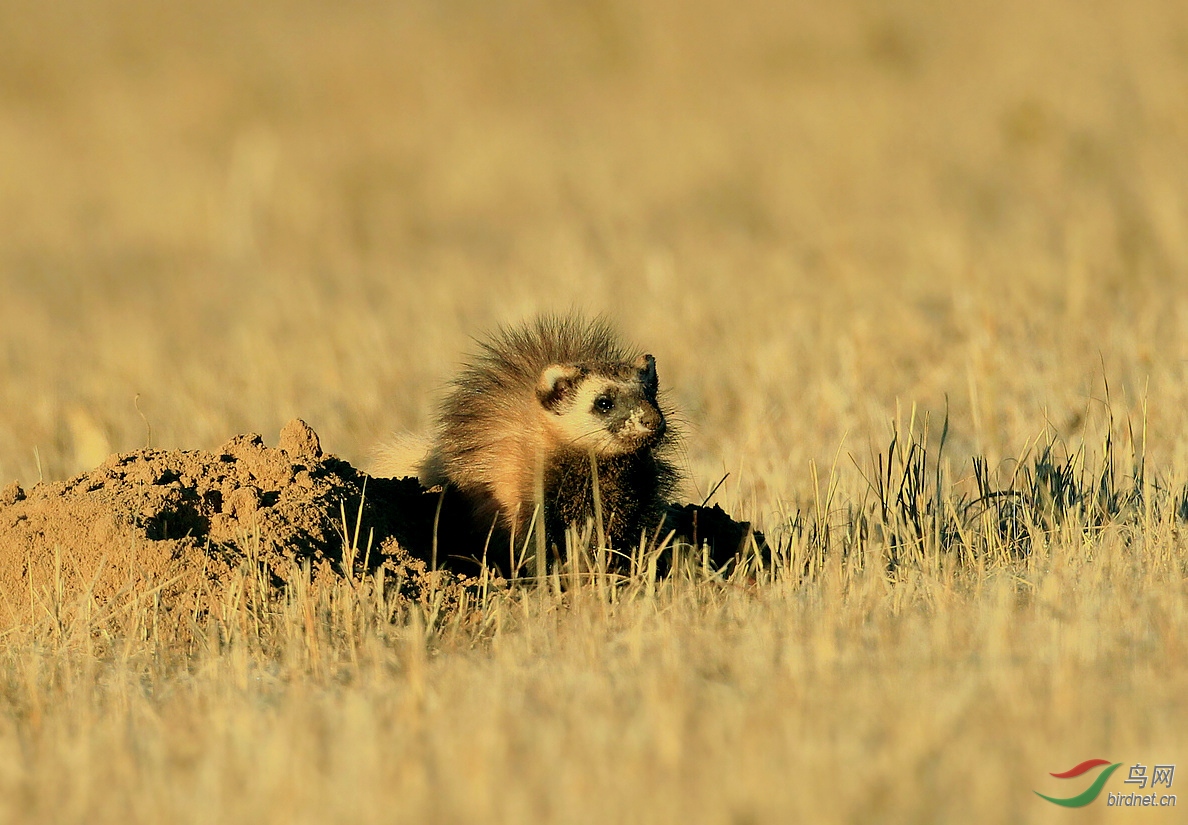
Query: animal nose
(653, 424)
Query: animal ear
(646, 365)
(555, 382)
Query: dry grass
(219, 216)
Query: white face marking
(577, 423)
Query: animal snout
(651, 424)
(659, 426)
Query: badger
(556, 423)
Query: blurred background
(216, 216)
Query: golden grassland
(822, 219)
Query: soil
(177, 526)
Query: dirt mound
(181, 523)
(177, 526)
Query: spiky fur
(517, 413)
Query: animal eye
(604, 403)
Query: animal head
(610, 409)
